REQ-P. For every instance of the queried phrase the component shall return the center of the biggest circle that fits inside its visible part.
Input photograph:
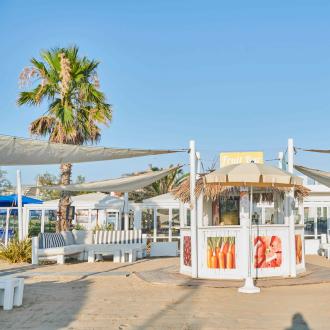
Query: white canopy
(124, 184)
(319, 176)
(20, 151)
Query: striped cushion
(50, 240)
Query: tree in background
(48, 179)
(76, 106)
(162, 186)
(5, 184)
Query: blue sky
(233, 75)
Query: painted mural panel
(187, 251)
(221, 252)
(267, 252)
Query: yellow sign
(230, 158)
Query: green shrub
(17, 251)
(107, 227)
(79, 227)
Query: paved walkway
(315, 274)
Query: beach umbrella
(252, 175)
(12, 200)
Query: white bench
(124, 245)
(73, 245)
(85, 245)
(11, 292)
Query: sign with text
(231, 158)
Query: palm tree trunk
(65, 201)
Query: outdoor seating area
(123, 245)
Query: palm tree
(76, 106)
(162, 186)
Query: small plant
(79, 227)
(107, 227)
(16, 251)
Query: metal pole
(19, 205)
(193, 211)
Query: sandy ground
(64, 297)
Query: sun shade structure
(319, 176)
(228, 180)
(11, 200)
(124, 184)
(20, 151)
(252, 174)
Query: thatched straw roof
(215, 190)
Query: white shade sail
(124, 184)
(317, 175)
(20, 151)
(252, 174)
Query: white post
(170, 215)
(249, 286)
(280, 160)
(199, 164)
(193, 212)
(290, 202)
(42, 225)
(19, 205)
(155, 224)
(7, 226)
(126, 215)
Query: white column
(155, 223)
(193, 214)
(7, 226)
(137, 218)
(126, 214)
(19, 205)
(42, 226)
(249, 286)
(280, 160)
(290, 203)
(170, 215)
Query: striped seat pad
(50, 240)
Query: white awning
(20, 151)
(124, 184)
(317, 175)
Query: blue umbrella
(11, 200)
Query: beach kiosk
(245, 222)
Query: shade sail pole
(19, 205)
(193, 211)
(290, 203)
(249, 286)
(126, 212)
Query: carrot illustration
(222, 254)
(214, 261)
(229, 256)
(209, 252)
(233, 251)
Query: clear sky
(233, 75)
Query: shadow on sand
(47, 305)
(298, 323)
